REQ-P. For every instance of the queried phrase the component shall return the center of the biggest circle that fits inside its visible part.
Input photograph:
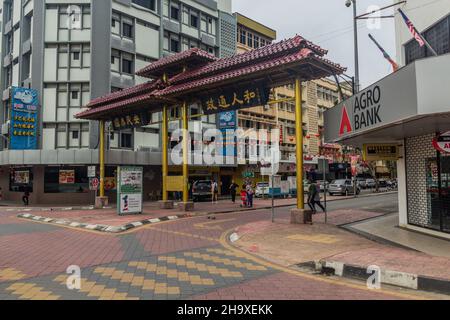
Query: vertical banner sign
(129, 192)
(227, 125)
(24, 119)
(354, 163)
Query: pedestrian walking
(317, 199)
(233, 191)
(244, 196)
(26, 197)
(250, 194)
(215, 192)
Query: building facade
(73, 52)
(318, 96)
(409, 110)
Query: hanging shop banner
(134, 120)
(24, 119)
(354, 165)
(130, 188)
(66, 176)
(244, 97)
(377, 152)
(442, 142)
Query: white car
(262, 189)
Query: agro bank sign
(390, 100)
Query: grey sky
(328, 23)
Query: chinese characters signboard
(129, 192)
(24, 119)
(130, 121)
(245, 97)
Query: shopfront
(408, 110)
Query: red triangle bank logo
(346, 125)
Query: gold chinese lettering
(223, 102)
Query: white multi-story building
(74, 51)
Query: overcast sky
(328, 23)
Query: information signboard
(24, 119)
(377, 152)
(129, 190)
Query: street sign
(91, 172)
(93, 184)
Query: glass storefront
(21, 179)
(438, 192)
(66, 179)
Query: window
(174, 45)
(438, 37)
(76, 56)
(126, 140)
(127, 30)
(174, 13)
(149, 4)
(194, 21)
(75, 134)
(74, 95)
(66, 179)
(127, 66)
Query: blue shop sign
(24, 119)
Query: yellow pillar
(186, 148)
(165, 156)
(299, 139)
(102, 158)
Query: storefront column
(299, 139)
(102, 201)
(186, 205)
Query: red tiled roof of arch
(265, 65)
(271, 50)
(128, 92)
(142, 98)
(165, 62)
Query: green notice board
(129, 190)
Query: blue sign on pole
(227, 125)
(24, 119)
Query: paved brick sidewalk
(288, 244)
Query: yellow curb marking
(207, 225)
(228, 262)
(320, 238)
(224, 242)
(11, 274)
(96, 290)
(31, 291)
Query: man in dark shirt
(233, 190)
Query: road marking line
(206, 225)
(228, 262)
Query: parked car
(343, 187)
(382, 183)
(262, 189)
(361, 183)
(201, 190)
(370, 183)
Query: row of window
(438, 36)
(172, 43)
(251, 39)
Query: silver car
(342, 187)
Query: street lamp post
(348, 3)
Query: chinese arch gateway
(218, 85)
